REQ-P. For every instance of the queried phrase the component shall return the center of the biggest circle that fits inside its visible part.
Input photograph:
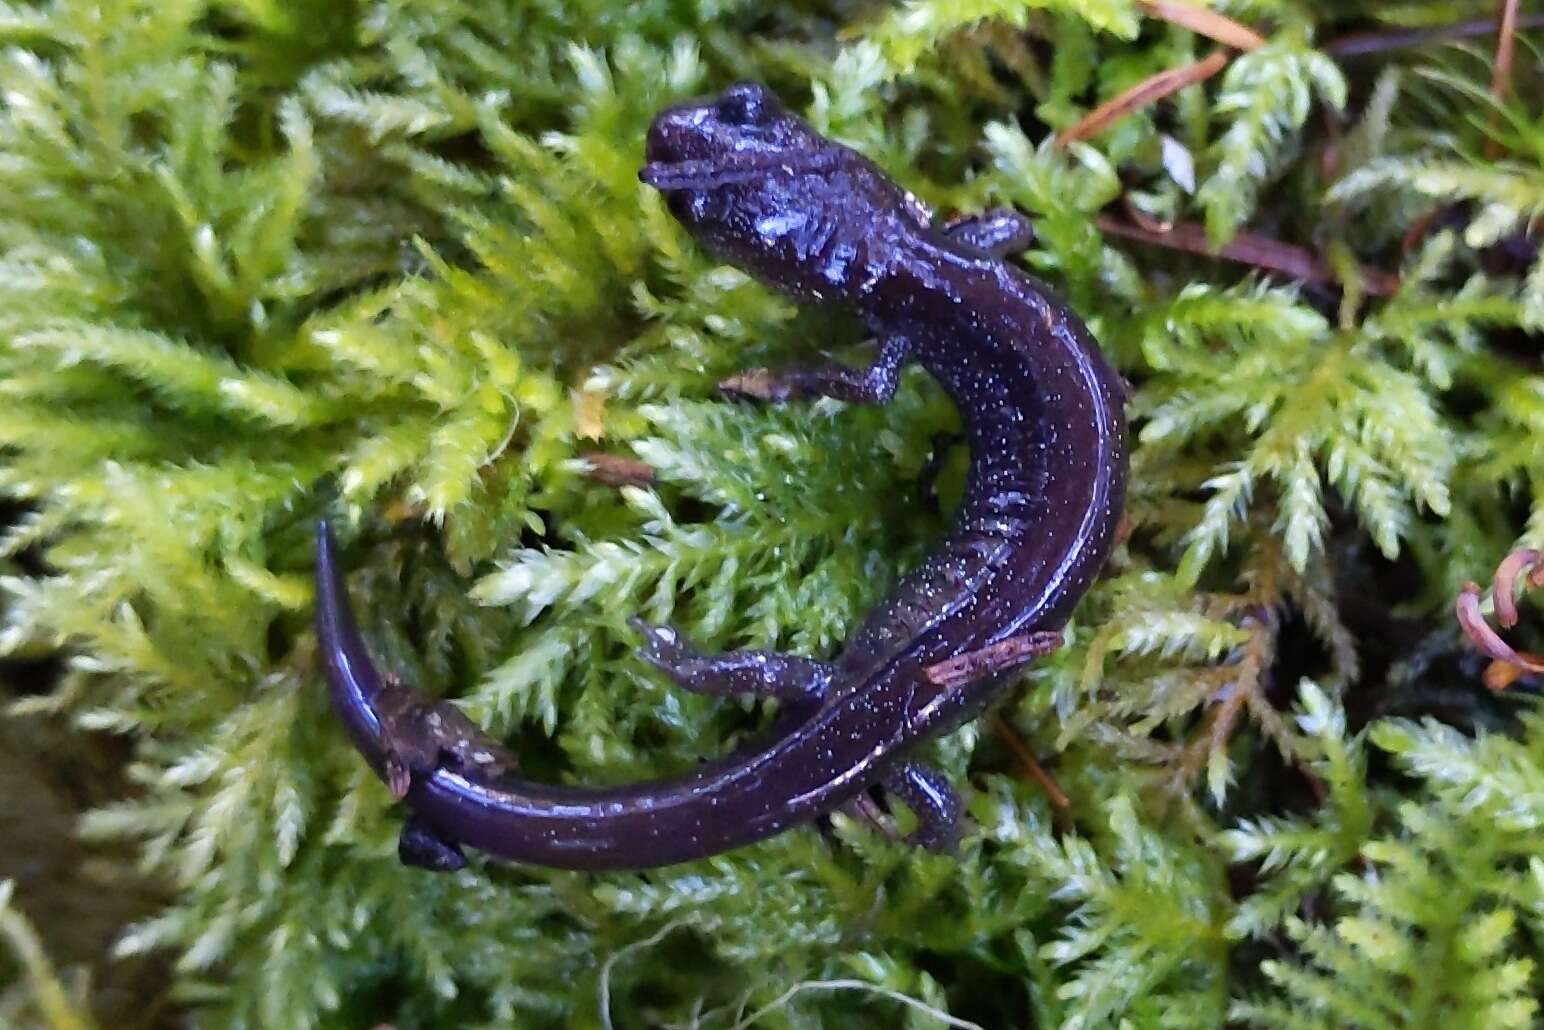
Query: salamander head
(759, 187)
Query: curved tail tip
(326, 553)
(324, 540)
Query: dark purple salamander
(1042, 413)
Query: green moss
(259, 261)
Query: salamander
(1043, 418)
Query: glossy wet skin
(754, 184)
(1042, 416)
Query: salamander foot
(423, 847)
(996, 233)
(924, 790)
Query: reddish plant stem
(1507, 663)
(1501, 72)
(1148, 91)
(1026, 760)
(1364, 44)
(1204, 22)
(1250, 249)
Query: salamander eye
(745, 103)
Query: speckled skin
(1043, 418)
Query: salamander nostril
(656, 145)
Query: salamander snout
(742, 118)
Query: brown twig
(1250, 249)
(994, 658)
(1506, 40)
(1026, 760)
(1363, 44)
(1124, 527)
(1141, 219)
(615, 470)
(1501, 73)
(1247, 683)
(1439, 217)
(1148, 91)
(1204, 22)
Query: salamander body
(1042, 415)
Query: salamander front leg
(924, 790)
(998, 232)
(763, 673)
(873, 385)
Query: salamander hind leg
(924, 790)
(763, 673)
(423, 847)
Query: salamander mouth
(709, 173)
